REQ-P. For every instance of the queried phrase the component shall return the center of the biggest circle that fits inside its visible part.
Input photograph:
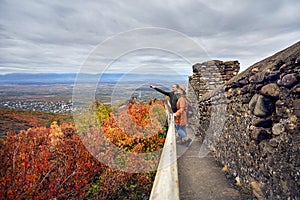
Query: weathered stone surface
(243, 82)
(256, 189)
(260, 134)
(257, 78)
(293, 118)
(277, 129)
(282, 67)
(261, 106)
(258, 86)
(253, 102)
(255, 70)
(297, 89)
(296, 105)
(289, 80)
(273, 76)
(271, 90)
(292, 126)
(229, 93)
(283, 112)
(279, 103)
(274, 142)
(265, 123)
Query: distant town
(43, 106)
(61, 106)
(53, 92)
(62, 103)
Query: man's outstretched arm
(160, 90)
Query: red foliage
(53, 163)
(33, 166)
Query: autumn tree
(60, 162)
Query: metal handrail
(166, 185)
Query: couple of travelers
(179, 105)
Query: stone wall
(251, 124)
(211, 74)
(207, 76)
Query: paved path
(202, 178)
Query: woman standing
(181, 116)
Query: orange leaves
(139, 114)
(30, 169)
(138, 148)
(53, 163)
(55, 133)
(136, 128)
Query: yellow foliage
(55, 133)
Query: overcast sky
(59, 36)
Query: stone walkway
(202, 178)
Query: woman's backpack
(190, 111)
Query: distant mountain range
(69, 78)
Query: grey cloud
(61, 34)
